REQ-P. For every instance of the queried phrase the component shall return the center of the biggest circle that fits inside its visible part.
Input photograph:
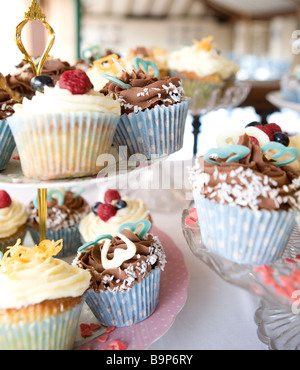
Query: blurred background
(256, 34)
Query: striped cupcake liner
(52, 333)
(61, 145)
(126, 308)
(7, 144)
(71, 239)
(243, 235)
(157, 131)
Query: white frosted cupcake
(13, 220)
(40, 298)
(61, 132)
(107, 217)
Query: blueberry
(121, 204)
(254, 123)
(39, 82)
(281, 138)
(95, 207)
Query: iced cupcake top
(13, 215)
(65, 209)
(72, 93)
(117, 263)
(30, 275)
(247, 178)
(202, 59)
(6, 100)
(106, 217)
(138, 91)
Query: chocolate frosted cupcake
(246, 203)
(7, 142)
(153, 112)
(65, 211)
(125, 273)
(20, 81)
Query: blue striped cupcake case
(7, 144)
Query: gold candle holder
(34, 13)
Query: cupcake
(63, 129)
(41, 298)
(153, 112)
(7, 142)
(246, 203)
(65, 210)
(13, 221)
(106, 217)
(157, 55)
(19, 80)
(125, 273)
(203, 69)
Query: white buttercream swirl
(55, 100)
(202, 62)
(12, 218)
(41, 279)
(91, 226)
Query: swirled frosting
(12, 218)
(149, 254)
(254, 181)
(19, 81)
(56, 100)
(36, 278)
(201, 61)
(62, 216)
(146, 91)
(92, 225)
(6, 104)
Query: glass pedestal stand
(278, 325)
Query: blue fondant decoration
(115, 80)
(59, 196)
(132, 226)
(145, 65)
(240, 151)
(282, 150)
(94, 242)
(93, 52)
(79, 191)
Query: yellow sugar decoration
(204, 44)
(21, 254)
(107, 65)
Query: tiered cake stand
(277, 323)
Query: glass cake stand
(277, 318)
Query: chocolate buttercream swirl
(254, 181)
(19, 82)
(6, 104)
(146, 92)
(61, 216)
(149, 254)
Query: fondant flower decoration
(137, 62)
(281, 151)
(240, 151)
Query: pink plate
(173, 294)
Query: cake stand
(276, 99)
(230, 97)
(277, 317)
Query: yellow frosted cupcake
(40, 298)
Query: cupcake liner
(61, 145)
(11, 241)
(126, 308)
(243, 235)
(55, 332)
(156, 131)
(7, 144)
(71, 239)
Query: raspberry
(111, 195)
(76, 81)
(252, 138)
(273, 127)
(266, 131)
(105, 211)
(5, 199)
